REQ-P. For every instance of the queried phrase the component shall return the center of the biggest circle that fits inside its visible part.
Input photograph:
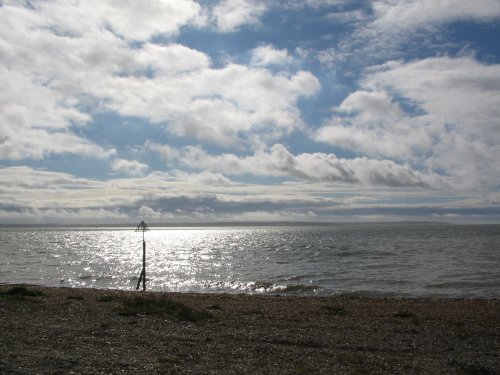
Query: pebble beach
(103, 331)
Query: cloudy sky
(113, 111)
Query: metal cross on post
(142, 227)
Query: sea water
(374, 260)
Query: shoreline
(291, 290)
(84, 330)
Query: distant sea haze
(375, 260)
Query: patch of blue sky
(408, 105)
(126, 135)
(87, 167)
(477, 39)
(334, 89)
(110, 128)
(220, 47)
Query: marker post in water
(142, 227)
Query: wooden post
(143, 264)
(142, 227)
(140, 280)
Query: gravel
(85, 331)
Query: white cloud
(413, 13)
(62, 216)
(229, 15)
(460, 99)
(268, 55)
(219, 106)
(129, 167)
(347, 16)
(51, 57)
(146, 213)
(205, 178)
(127, 18)
(458, 90)
(328, 57)
(168, 60)
(168, 153)
(34, 196)
(373, 105)
(453, 128)
(28, 195)
(372, 123)
(36, 121)
(439, 114)
(396, 29)
(279, 162)
(27, 178)
(53, 66)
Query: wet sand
(89, 331)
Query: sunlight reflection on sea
(374, 260)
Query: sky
(182, 111)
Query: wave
(297, 277)
(270, 287)
(265, 287)
(97, 278)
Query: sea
(375, 260)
